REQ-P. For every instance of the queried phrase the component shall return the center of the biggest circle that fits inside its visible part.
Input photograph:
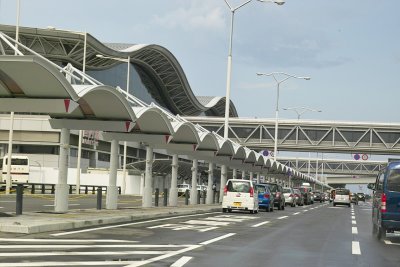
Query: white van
(240, 195)
(182, 189)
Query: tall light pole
(278, 83)
(229, 68)
(301, 110)
(128, 61)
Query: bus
(19, 169)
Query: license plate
(237, 204)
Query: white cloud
(196, 17)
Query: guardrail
(42, 188)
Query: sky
(350, 49)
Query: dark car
(354, 199)
(265, 197)
(306, 192)
(277, 192)
(385, 201)
(317, 196)
(361, 196)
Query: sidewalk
(38, 222)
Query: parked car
(299, 197)
(289, 196)
(361, 197)
(306, 192)
(265, 198)
(277, 192)
(342, 197)
(240, 195)
(202, 189)
(182, 188)
(385, 201)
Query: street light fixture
(128, 61)
(301, 110)
(278, 82)
(229, 68)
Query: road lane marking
(129, 224)
(353, 222)
(259, 224)
(66, 240)
(355, 248)
(210, 223)
(217, 239)
(305, 210)
(283, 217)
(178, 227)
(296, 213)
(80, 253)
(85, 246)
(182, 261)
(354, 230)
(353, 217)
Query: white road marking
(211, 223)
(86, 246)
(217, 239)
(283, 217)
(129, 224)
(354, 230)
(355, 248)
(1, 207)
(229, 219)
(305, 210)
(178, 227)
(7, 201)
(182, 261)
(353, 222)
(52, 205)
(66, 240)
(79, 253)
(69, 263)
(259, 224)
(352, 217)
(296, 213)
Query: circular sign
(356, 156)
(271, 154)
(265, 153)
(364, 157)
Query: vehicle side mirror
(371, 186)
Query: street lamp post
(128, 61)
(229, 68)
(278, 83)
(301, 110)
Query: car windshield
(239, 186)
(273, 187)
(393, 183)
(342, 191)
(286, 190)
(183, 185)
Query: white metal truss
(306, 135)
(334, 166)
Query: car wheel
(294, 204)
(279, 207)
(349, 205)
(223, 210)
(256, 211)
(374, 229)
(283, 206)
(271, 209)
(229, 210)
(251, 211)
(267, 209)
(334, 204)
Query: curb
(44, 225)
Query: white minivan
(240, 195)
(342, 197)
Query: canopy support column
(193, 192)
(61, 193)
(224, 173)
(173, 191)
(148, 194)
(112, 191)
(210, 193)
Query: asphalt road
(316, 235)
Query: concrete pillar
(141, 184)
(61, 188)
(251, 176)
(224, 173)
(193, 191)
(243, 174)
(258, 177)
(147, 199)
(112, 190)
(234, 174)
(210, 192)
(173, 191)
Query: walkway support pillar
(112, 190)
(173, 191)
(193, 191)
(148, 179)
(243, 175)
(251, 176)
(234, 174)
(210, 192)
(224, 174)
(258, 177)
(61, 193)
